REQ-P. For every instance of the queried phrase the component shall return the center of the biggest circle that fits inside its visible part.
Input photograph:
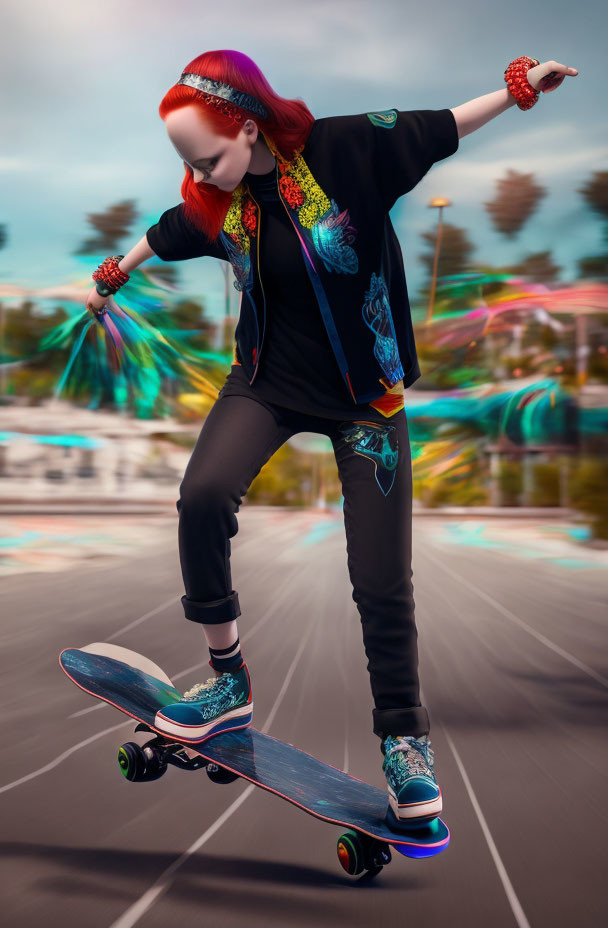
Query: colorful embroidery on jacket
(331, 231)
(302, 191)
(236, 237)
(332, 236)
(330, 228)
(377, 316)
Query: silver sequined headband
(226, 92)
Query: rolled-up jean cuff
(413, 721)
(213, 612)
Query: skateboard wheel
(358, 852)
(219, 774)
(132, 761)
(138, 764)
(351, 852)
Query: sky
(82, 82)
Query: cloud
(483, 158)
(13, 164)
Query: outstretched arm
(476, 113)
(138, 254)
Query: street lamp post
(437, 202)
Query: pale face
(213, 158)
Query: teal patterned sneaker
(413, 793)
(222, 703)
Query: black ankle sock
(223, 659)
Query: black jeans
(374, 464)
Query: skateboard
(139, 688)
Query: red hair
(288, 124)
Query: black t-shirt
(297, 368)
(389, 152)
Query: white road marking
(162, 884)
(516, 907)
(170, 602)
(148, 615)
(62, 757)
(145, 902)
(279, 601)
(513, 618)
(277, 606)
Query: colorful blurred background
(510, 321)
(507, 426)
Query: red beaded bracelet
(517, 83)
(109, 277)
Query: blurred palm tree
(517, 197)
(455, 257)
(595, 194)
(3, 239)
(538, 266)
(110, 227)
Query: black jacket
(337, 193)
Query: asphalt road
(514, 673)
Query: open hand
(549, 75)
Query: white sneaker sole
(405, 811)
(228, 722)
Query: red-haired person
(324, 343)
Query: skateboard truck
(141, 763)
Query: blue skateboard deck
(139, 688)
